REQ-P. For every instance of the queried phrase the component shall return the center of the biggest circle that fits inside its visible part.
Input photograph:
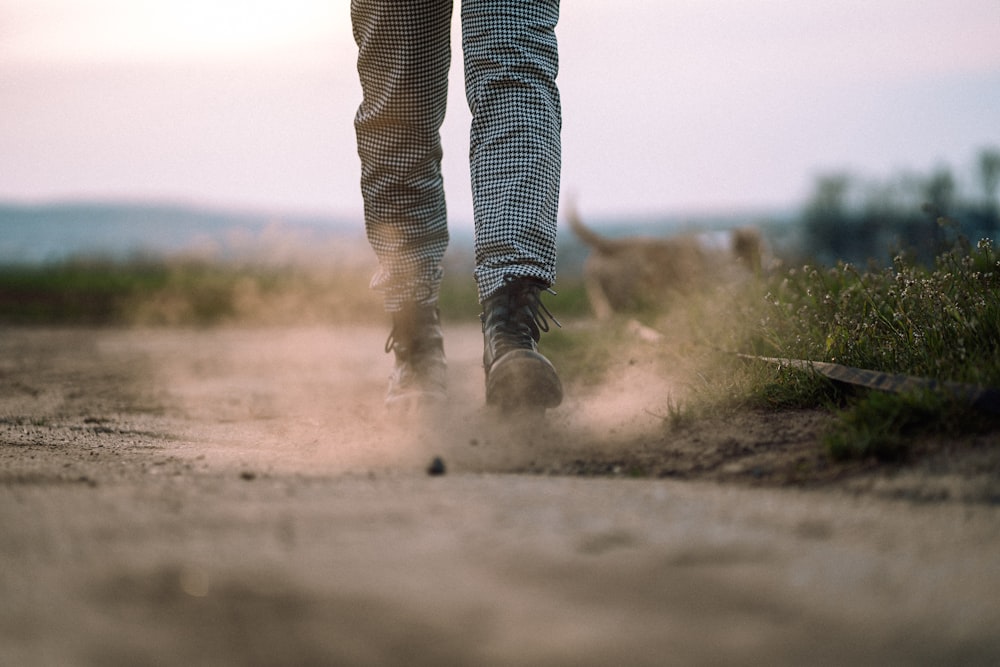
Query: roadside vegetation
(940, 322)
(925, 302)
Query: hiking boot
(517, 376)
(420, 374)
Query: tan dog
(629, 274)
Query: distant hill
(52, 232)
(36, 234)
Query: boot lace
(521, 317)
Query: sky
(672, 106)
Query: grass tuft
(940, 322)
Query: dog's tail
(587, 235)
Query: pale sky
(669, 106)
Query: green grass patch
(75, 292)
(884, 426)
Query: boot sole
(523, 379)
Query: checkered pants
(511, 61)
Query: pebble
(436, 467)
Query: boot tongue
(516, 326)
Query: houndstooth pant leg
(511, 63)
(404, 52)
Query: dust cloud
(309, 400)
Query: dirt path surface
(173, 497)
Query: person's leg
(511, 62)
(404, 52)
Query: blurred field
(188, 290)
(156, 292)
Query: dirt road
(212, 497)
